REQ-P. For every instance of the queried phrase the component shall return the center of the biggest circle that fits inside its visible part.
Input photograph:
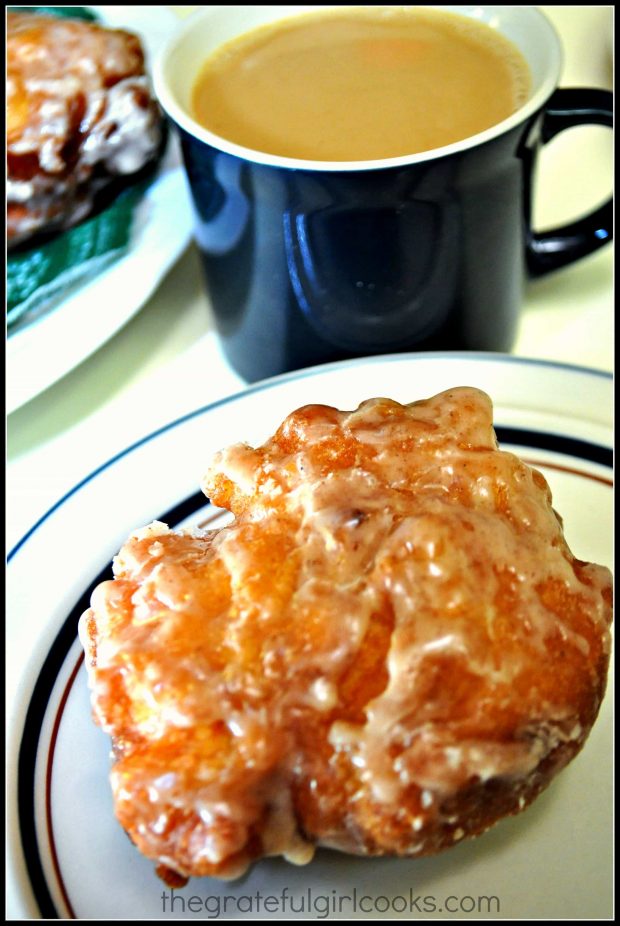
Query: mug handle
(557, 247)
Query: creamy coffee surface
(360, 83)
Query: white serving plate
(66, 854)
(52, 344)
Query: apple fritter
(390, 648)
(80, 115)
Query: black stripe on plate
(522, 437)
(36, 712)
(571, 446)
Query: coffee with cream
(354, 84)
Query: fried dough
(80, 115)
(389, 649)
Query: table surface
(166, 360)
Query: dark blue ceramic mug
(312, 261)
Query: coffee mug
(312, 261)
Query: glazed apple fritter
(389, 649)
(80, 114)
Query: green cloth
(37, 278)
(71, 12)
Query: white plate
(68, 857)
(40, 353)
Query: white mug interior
(178, 65)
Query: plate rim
(263, 386)
(21, 344)
(295, 375)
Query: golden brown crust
(391, 647)
(79, 114)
